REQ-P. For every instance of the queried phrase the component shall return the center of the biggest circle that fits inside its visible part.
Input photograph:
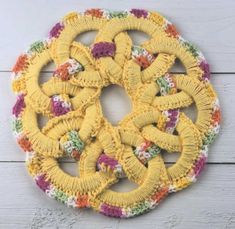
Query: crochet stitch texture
(77, 128)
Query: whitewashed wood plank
(209, 24)
(207, 204)
(221, 151)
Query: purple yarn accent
(103, 49)
(170, 124)
(173, 116)
(139, 13)
(109, 210)
(173, 119)
(103, 158)
(206, 69)
(174, 112)
(56, 30)
(42, 182)
(58, 108)
(19, 105)
(200, 164)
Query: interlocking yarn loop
(77, 129)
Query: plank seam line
(215, 73)
(208, 163)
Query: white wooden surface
(210, 203)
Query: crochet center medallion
(77, 129)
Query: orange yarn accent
(143, 61)
(82, 201)
(25, 144)
(75, 154)
(62, 71)
(20, 63)
(171, 30)
(216, 116)
(94, 12)
(160, 195)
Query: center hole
(115, 103)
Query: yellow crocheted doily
(77, 129)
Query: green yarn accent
(75, 139)
(17, 125)
(210, 137)
(74, 143)
(117, 14)
(61, 196)
(163, 84)
(140, 209)
(37, 47)
(191, 48)
(154, 150)
(137, 49)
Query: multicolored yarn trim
(107, 164)
(65, 70)
(146, 151)
(72, 144)
(166, 84)
(60, 105)
(142, 57)
(79, 201)
(138, 209)
(77, 129)
(172, 118)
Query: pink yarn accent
(206, 69)
(109, 210)
(198, 167)
(173, 116)
(103, 49)
(56, 30)
(104, 159)
(19, 106)
(139, 13)
(42, 182)
(58, 108)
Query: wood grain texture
(209, 204)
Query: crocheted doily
(77, 129)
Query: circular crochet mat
(77, 129)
